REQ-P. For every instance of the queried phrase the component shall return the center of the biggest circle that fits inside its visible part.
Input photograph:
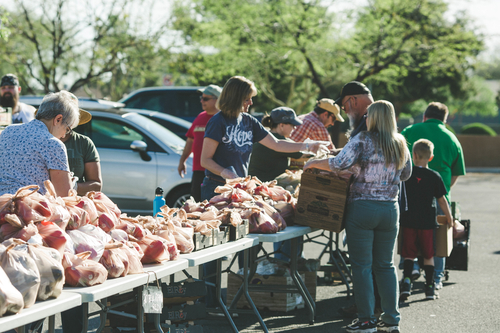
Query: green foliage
(297, 51)
(107, 46)
(478, 129)
(4, 21)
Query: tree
(405, 50)
(55, 50)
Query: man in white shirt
(9, 98)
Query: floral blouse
(373, 180)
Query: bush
(478, 129)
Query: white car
(137, 156)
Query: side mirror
(141, 147)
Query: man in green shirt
(448, 158)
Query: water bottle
(159, 201)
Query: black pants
(196, 182)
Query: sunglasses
(205, 99)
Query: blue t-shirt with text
(235, 137)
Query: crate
(238, 232)
(181, 292)
(202, 242)
(182, 328)
(322, 200)
(181, 313)
(221, 235)
(272, 301)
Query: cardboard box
(271, 301)
(322, 200)
(181, 292)
(443, 239)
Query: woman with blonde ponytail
(379, 160)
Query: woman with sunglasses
(379, 160)
(32, 153)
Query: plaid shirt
(311, 128)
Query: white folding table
(41, 310)
(99, 293)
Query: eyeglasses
(205, 99)
(68, 130)
(343, 104)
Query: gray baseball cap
(285, 115)
(212, 89)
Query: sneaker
(415, 275)
(369, 326)
(405, 290)
(439, 285)
(350, 311)
(430, 291)
(383, 327)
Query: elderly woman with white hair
(32, 153)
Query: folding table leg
(103, 314)
(245, 290)
(140, 310)
(218, 293)
(85, 323)
(309, 302)
(52, 324)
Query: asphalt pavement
(469, 301)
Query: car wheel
(177, 198)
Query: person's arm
(188, 148)
(453, 180)
(284, 146)
(61, 180)
(93, 179)
(207, 154)
(318, 164)
(443, 204)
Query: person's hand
(182, 169)
(309, 164)
(451, 222)
(317, 147)
(74, 183)
(228, 174)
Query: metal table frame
(290, 233)
(216, 253)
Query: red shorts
(415, 240)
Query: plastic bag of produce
(11, 300)
(49, 263)
(134, 258)
(113, 260)
(52, 235)
(155, 249)
(82, 272)
(83, 243)
(22, 272)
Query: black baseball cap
(9, 80)
(285, 115)
(352, 88)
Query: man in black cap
(354, 99)
(9, 98)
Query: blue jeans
(286, 248)
(371, 231)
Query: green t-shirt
(267, 164)
(448, 158)
(81, 150)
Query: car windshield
(160, 132)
